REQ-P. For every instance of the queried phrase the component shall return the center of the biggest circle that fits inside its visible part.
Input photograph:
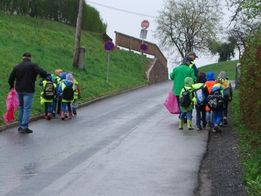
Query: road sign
(108, 46)
(143, 47)
(145, 24)
(143, 33)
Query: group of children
(60, 92)
(210, 97)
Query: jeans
(217, 117)
(48, 107)
(187, 115)
(25, 105)
(209, 118)
(66, 107)
(201, 115)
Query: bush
(64, 11)
(250, 81)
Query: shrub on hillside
(250, 89)
(64, 11)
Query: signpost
(143, 34)
(145, 24)
(108, 46)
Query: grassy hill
(227, 66)
(51, 44)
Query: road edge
(84, 104)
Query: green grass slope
(227, 66)
(51, 45)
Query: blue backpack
(201, 99)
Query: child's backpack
(200, 96)
(185, 99)
(226, 87)
(49, 90)
(68, 93)
(215, 101)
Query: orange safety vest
(209, 85)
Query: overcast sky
(127, 23)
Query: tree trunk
(78, 36)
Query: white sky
(130, 24)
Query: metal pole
(108, 66)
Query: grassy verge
(227, 66)
(250, 147)
(51, 44)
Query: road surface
(127, 145)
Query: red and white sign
(145, 24)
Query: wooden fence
(158, 70)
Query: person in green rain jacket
(178, 75)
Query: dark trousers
(201, 116)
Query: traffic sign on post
(108, 46)
(145, 24)
(143, 47)
(143, 33)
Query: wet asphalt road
(127, 145)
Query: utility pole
(77, 42)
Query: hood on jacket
(210, 76)
(63, 75)
(188, 81)
(222, 75)
(70, 77)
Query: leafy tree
(245, 21)
(225, 49)
(250, 8)
(187, 25)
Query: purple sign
(108, 46)
(143, 47)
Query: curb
(84, 104)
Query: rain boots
(189, 125)
(180, 124)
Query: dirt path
(220, 173)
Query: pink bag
(12, 103)
(171, 103)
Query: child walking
(186, 103)
(200, 99)
(210, 76)
(65, 91)
(215, 102)
(227, 90)
(48, 96)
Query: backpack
(49, 90)
(200, 96)
(185, 99)
(226, 87)
(215, 101)
(68, 93)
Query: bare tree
(187, 25)
(77, 41)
